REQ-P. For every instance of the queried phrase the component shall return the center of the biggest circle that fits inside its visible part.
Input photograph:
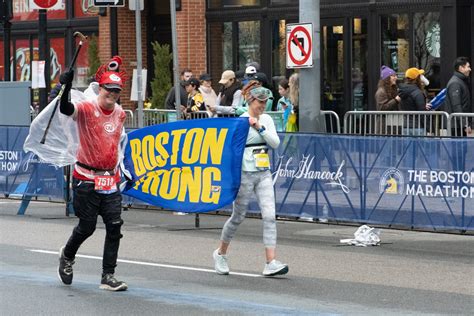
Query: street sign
(299, 45)
(46, 4)
(109, 3)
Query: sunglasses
(112, 90)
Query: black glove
(67, 77)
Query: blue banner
(192, 165)
(22, 174)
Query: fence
(458, 123)
(333, 124)
(403, 123)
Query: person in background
(170, 102)
(207, 92)
(387, 99)
(284, 103)
(413, 99)
(249, 72)
(256, 179)
(195, 101)
(293, 83)
(229, 98)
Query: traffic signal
(6, 10)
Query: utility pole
(44, 55)
(6, 16)
(310, 118)
(138, 30)
(174, 37)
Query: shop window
(227, 46)
(427, 46)
(85, 9)
(359, 65)
(217, 4)
(395, 31)
(279, 48)
(249, 43)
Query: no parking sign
(299, 45)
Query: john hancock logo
(391, 182)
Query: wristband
(261, 129)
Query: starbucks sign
(433, 40)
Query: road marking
(152, 264)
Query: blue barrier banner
(405, 181)
(191, 165)
(22, 174)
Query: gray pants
(261, 184)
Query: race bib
(262, 160)
(105, 183)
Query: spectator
(413, 99)
(170, 102)
(207, 92)
(387, 99)
(293, 83)
(229, 98)
(195, 100)
(458, 100)
(284, 103)
(249, 72)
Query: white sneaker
(220, 262)
(275, 267)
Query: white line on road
(169, 266)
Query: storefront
(357, 37)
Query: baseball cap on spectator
(260, 77)
(261, 94)
(111, 80)
(250, 70)
(226, 76)
(413, 73)
(205, 77)
(192, 82)
(386, 72)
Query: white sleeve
(269, 134)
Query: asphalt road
(168, 266)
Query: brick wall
(126, 47)
(191, 27)
(191, 33)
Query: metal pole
(177, 93)
(43, 55)
(138, 29)
(310, 118)
(6, 47)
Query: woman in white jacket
(256, 178)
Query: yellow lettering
(192, 145)
(148, 150)
(162, 138)
(190, 184)
(176, 141)
(170, 184)
(139, 167)
(214, 145)
(210, 193)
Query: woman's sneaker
(275, 267)
(65, 267)
(220, 263)
(110, 283)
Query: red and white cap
(111, 80)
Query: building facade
(357, 37)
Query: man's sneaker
(65, 267)
(220, 263)
(275, 267)
(110, 283)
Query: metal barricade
(129, 121)
(402, 123)
(459, 122)
(33, 113)
(197, 115)
(158, 116)
(277, 117)
(333, 124)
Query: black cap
(259, 76)
(193, 82)
(205, 77)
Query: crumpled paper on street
(363, 237)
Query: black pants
(88, 204)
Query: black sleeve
(169, 102)
(66, 107)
